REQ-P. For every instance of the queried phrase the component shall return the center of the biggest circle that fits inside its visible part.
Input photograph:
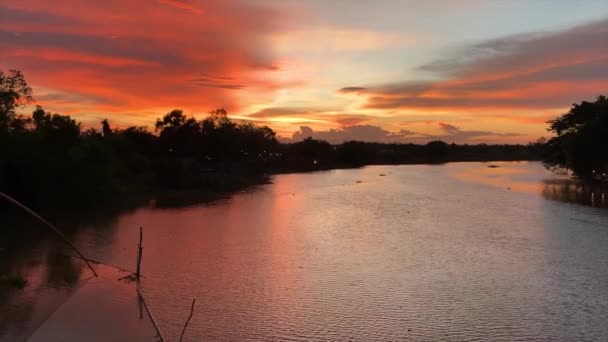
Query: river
(452, 252)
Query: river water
(454, 252)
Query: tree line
(49, 159)
(580, 141)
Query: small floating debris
(129, 279)
(359, 182)
(493, 166)
(382, 175)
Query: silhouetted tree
(178, 133)
(14, 92)
(311, 153)
(355, 152)
(581, 141)
(48, 160)
(437, 151)
(105, 128)
(60, 130)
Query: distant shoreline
(175, 198)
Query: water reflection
(29, 251)
(516, 176)
(51, 280)
(532, 177)
(453, 252)
(573, 191)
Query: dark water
(384, 253)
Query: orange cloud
(182, 5)
(141, 56)
(524, 72)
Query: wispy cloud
(183, 5)
(143, 55)
(217, 82)
(533, 71)
(328, 115)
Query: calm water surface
(383, 253)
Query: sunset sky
(386, 70)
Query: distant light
(170, 150)
(315, 161)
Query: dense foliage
(50, 160)
(581, 141)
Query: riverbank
(287, 253)
(52, 164)
(204, 186)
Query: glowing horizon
(391, 71)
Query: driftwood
(187, 321)
(143, 299)
(131, 273)
(140, 251)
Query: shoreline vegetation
(49, 161)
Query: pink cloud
(142, 55)
(536, 71)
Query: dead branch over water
(187, 321)
(63, 237)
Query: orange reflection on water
(500, 174)
(532, 178)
